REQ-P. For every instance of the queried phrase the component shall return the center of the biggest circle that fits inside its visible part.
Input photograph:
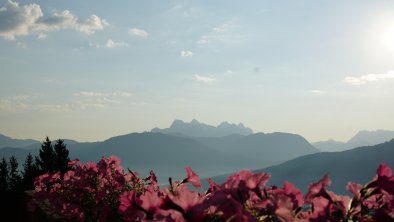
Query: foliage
(103, 192)
(4, 175)
(15, 178)
(87, 192)
(61, 156)
(46, 158)
(30, 172)
(51, 159)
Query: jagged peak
(200, 129)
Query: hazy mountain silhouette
(165, 154)
(38, 144)
(6, 141)
(332, 146)
(372, 137)
(267, 149)
(362, 138)
(197, 129)
(19, 153)
(168, 154)
(357, 165)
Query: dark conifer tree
(3, 175)
(46, 159)
(61, 156)
(15, 178)
(30, 172)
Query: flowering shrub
(88, 192)
(103, 192)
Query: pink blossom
(192, 177)
(103, 192)
(150, 201)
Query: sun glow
(389, 37)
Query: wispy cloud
(90, 99)
(186, 53)
(111, 44)
(19, 20)
(99, 94)
(221, 33)
(41, 36)
(138, 32)
(204, 79)
(360, 80)
(79, 101)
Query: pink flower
(384, 171)
(185, 198)
(150, 201)
(129, 207)
(318, 189)
(74, 162)
(384, 179)
(247, 179)
(212, 185)
(354, 188)
(192, 177)
(293, 193)
(228, 208)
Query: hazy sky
(89, 70)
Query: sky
(89, 70)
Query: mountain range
(197, 129)
(217, 150)
(357, 165)
(6, 141)
(362, 138)
(167, 154)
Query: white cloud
(138, 32)
(111, 44)
(55, 107)
(88, 94)
(19, 20)
(67, 20)
(80, 101)
(13, 105)
(222, 33)
(86, 99)
(41, 36)
(204, 79)
(123, 94)
(352, 80)
(99, 94)
(186, 53)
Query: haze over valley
(223, 149)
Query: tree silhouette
(15, 178)
(46, 158)
(61, 156)
(30, 172)
(3, 175)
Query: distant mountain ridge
(362, 138)
(372, 137)
(6, 141)
(267, 149)
(168, 154)
(198, 129)
(357, 165)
